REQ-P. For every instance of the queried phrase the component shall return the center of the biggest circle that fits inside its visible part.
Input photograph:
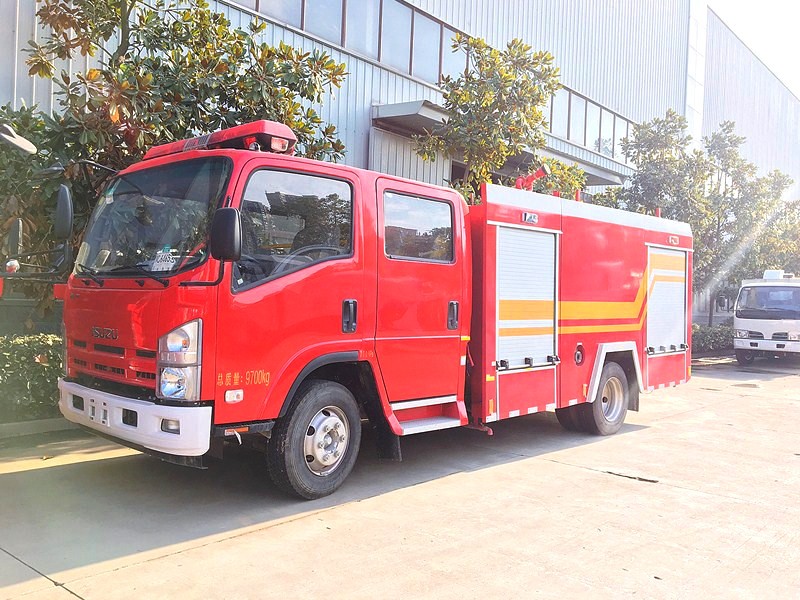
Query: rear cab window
(417, 228)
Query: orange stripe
(668, 262)
(578, 311)
(526, 310)
(525, 331)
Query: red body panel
(603, 284)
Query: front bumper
(103, 412)
(766, 345)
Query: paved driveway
(697, 496)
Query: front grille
(108, 369)
(755, 335)
(110, 349)
(782, 336)
(119, 365)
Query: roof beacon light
(251, 136)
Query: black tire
(745, 357)
(607, 413)
(569, 419)
(322, 412)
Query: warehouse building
(621, 61)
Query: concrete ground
(696, 497)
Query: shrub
(29, 369)
(716, 337)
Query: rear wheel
(569, 419)
(745, 357)
(314, 446)
(607, 413)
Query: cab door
(298, 293)
(420, 300)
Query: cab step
(429, 424)
(429, 414)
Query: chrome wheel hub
(613, 399)
(326, 441)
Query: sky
(770, 29)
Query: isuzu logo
(105, 333)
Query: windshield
(154, 219)
(769, 302)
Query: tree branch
(125, 9)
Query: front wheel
(314, 446)
(745, 357)
(607, 413)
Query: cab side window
(417, 228)
(291, 221)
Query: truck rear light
(77, 402)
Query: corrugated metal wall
(740, 88)
(628, 55)
(366, 85)
(17, 27)
(392, 154)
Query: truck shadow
(66, 517)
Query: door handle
(349, 316)
(452, 315)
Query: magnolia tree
(740, 223)
(494, 113)
(164, 71)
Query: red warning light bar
(259, 135)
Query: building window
(559, 119)
(593, 126)
(417, 228)
(425, 53)
(323, 18)
(453, 63)
(396, 35)
(291, 221)
(620, 132)
(577, 120)
(363, 20)
(286, 11)
(606, 133)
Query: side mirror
(226, 235)
(9, 136)
(15, 238)
(63, 222)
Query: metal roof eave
(419, 116)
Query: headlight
(178, 365)
(178, 383)
(181, 346)
(741, 333)
(794, 336)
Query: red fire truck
(227, 291)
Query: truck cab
(767, 317)
(222, 292)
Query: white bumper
(767, 345)
(103, 413)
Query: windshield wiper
(140, 270)
(90, 273)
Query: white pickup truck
(767, 317)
